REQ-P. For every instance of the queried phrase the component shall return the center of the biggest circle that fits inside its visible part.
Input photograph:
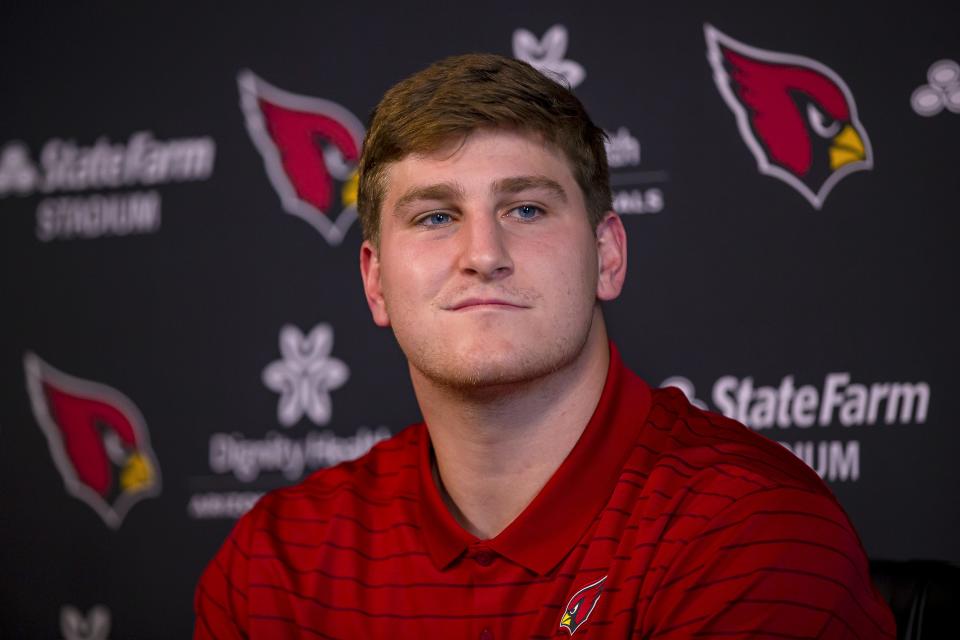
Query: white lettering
(804, 410)
(764, 408)
(907, 394)
(723, 396)
(623, 150)
(784, 395)
(854, 408)
(93, 216)
(852, 404)
(831, 395)
(248, 458)
(844, 461)
(143, 160)
(626, 201)
(233, 504)
(834, 461)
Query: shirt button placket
(484, 558)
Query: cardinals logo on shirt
(97, 437)
(310, 148)
(581, 605)
(796, 115)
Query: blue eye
(436, 219)
(527, 212)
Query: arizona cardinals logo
(97, 438)
(796, 115)
(581, 605)
(307, 144)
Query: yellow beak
(136, 474)
(566, 620)
(847, 147)
(348, 194)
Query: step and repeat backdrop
(183, 326)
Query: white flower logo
(94, 626)
(546, 56)
(306, 375)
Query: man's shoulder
(702, 440)
(749, 529)
(383, 475)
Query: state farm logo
(776, 410)
(797, 116)
(310, 148)
(18, 174)
(97, 437)
(633, 190)
(304, 376)
(106, 168)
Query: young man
(549, 491)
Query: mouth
(477, 304)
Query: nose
(484, 250)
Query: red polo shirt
(664, 521)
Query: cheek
(410, 280)
(579, 271)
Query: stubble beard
(483, 373)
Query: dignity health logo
(547, 55)
(304, 377)
(634, 191)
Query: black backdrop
(151, 265)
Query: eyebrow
(440, 191)
(447, 191)
(525, 183)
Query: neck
(496, 448)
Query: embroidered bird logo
(581, 605)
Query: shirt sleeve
(220, 600)
(780, 563)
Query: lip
(484, 303)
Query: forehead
(478, 159)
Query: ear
(611, 256)
(370, 272)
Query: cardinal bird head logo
(97, 437)
(797, 116)
(310, 148)
(581, 605)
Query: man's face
(488, 267)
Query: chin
(481, 365)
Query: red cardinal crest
(796, 115)
(581, 605)
(309, 147)
(97, 438)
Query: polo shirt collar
(542, 535)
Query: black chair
(924, 596)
